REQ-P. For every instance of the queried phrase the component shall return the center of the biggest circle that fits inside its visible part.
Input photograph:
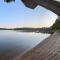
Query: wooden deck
(49, 49)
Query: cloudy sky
(17, 15)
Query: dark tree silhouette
(8, 1)
(51, 5)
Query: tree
(8, 1)
(51, 5)
(56, 25)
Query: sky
(58, 0)
(18, 15)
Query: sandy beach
(49, 49)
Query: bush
(56, 25)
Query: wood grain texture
(49, 49)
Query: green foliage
(56, 25)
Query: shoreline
(22, 54)
(47, 49)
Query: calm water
(13, 43)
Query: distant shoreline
(36, 30)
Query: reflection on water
(13, 43)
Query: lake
(13, 43)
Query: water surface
(13, 43)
